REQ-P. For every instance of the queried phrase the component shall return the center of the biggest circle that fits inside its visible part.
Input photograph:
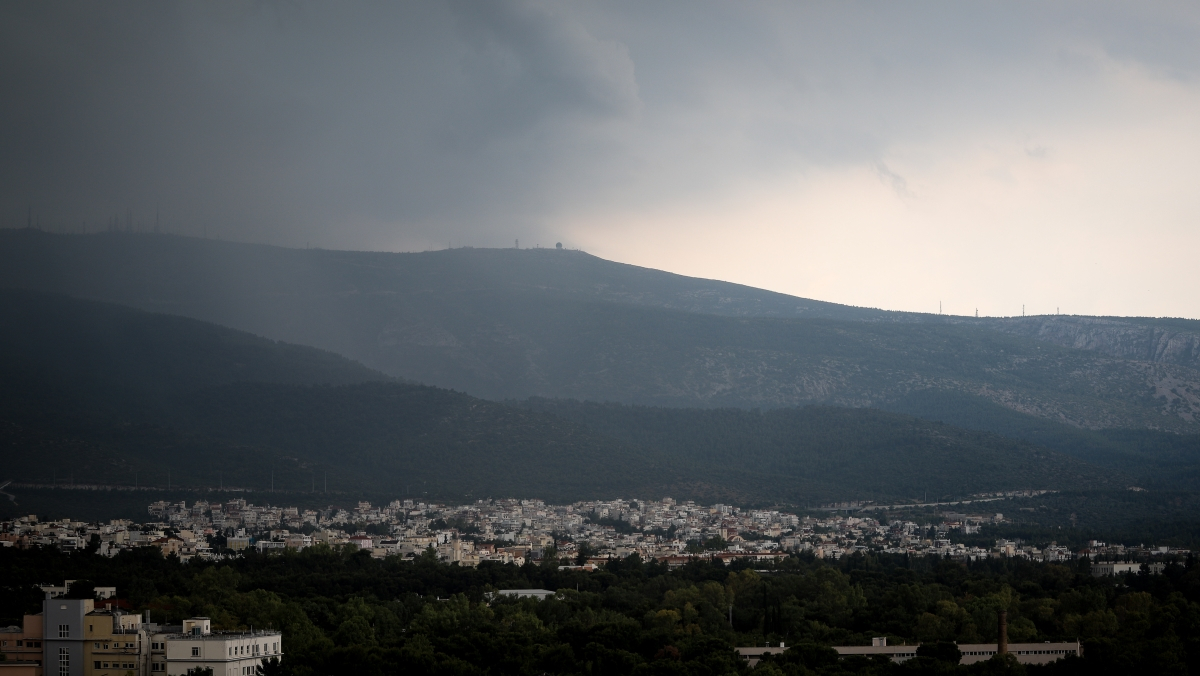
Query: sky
(983, 156)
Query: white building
(227, 653)
(1026, 653)
(539, 594)
(1111, 568)
(54, 591)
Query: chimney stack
(1002, 642)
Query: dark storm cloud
(389, 124)
(268, 118)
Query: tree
(944, 651)
(550, 557)
(584, 551)
(271, 667)
(82, 589)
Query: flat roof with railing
(219, 635)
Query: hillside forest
(343, 612)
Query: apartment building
(22, 646)
(115, 644)
(227, 653)
(70, 637)
(63, 635)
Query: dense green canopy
(343, 612)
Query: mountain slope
(103, 394)
(101, 360)
(804, 450)
(195, 276)
(1153, 458)
(509, 324)
(106, 394)
(1159, 340)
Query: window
(195, 651)
(105, 664)
(64, 659)
(64, 631)
(95, 665)
(19, 643)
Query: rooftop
(217, 635)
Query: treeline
(1128, 517)
(343, 612)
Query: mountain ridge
(509, 324)
(185, 413)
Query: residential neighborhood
(584, 534)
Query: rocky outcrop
(1139, 340)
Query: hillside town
(584, 534)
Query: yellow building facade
(115, 644)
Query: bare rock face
(1136, 339)
(1165, 351)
